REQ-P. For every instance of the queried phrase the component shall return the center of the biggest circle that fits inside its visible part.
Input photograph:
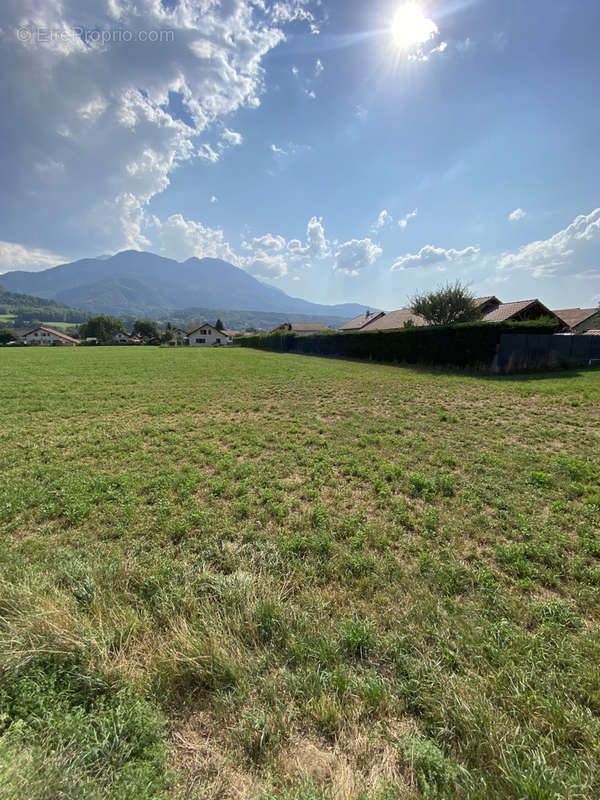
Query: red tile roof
(395, 320)
(54, 332)
(507, 311)
(359, 322)
(299, 327)
(575, 316)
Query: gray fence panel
(519, 352)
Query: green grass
(231, 573)
(61, 326)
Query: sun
(411, 27)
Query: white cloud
(565, 251)
(16, 256)
(317, 245)
(383, 219)
(293, 11)
(214, 199)
(182, 238)
(267, 259)
(361, 113)
(517, 215)
(319, 68)
(287, 153)
(588, 274)
(269, 256)
(265, 243)
(430, 255)
(114, 133)
(266, 266)
(232, 138)
(405, 220)
(356, 255)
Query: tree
(101, 327)
(6, 336)
(168, 334)
(146, 329)
(219, 325)
(451, 304)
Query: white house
(124, 338)
(207, 335)
(48, 336)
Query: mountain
(138, 283)
(22, 307)
(234, 319)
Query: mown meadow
(242, 574)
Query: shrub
(464, 345)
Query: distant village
(568, 321)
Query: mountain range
(18, 309)
(136, 283)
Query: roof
(481, 301)
(395, 320)
(204, 325)
(592, 333)
(231, 334)
(299, 327)
(575, 316)
(60, 334)
(506, 311)
(359, 322)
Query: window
(218, 341)
(200, 341)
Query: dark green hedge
(466, 345)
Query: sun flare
(411, 27)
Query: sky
(342, 150)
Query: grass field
(239, 574)
(61, 326)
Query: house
(126, 338)
(301, 328)
(180, 336)
(487, 304)
(402, 318)
(48, 336)
(579, 320)
(520, 311)
(231, 334)
(358, 323)
(207, 335)
(492, 310)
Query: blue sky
(344, 151)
